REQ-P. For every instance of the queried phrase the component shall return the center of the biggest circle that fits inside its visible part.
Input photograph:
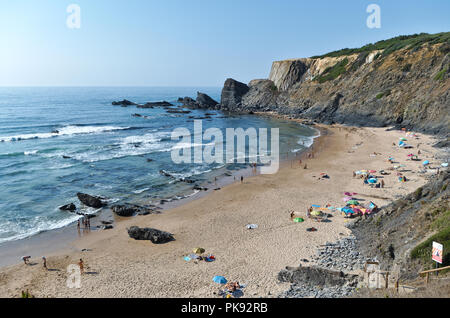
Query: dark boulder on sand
(130, 210)
(68, 207)
(154, 235)
(90, 200)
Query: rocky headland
(402, 82)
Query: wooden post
(427, 278)
(396, 285)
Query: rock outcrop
(126, 210)
(204, 101)
(68, 207)
(90, 200)
(154, 235)
(232, 94)
(155, 104)
(123, 103)
(315, 276)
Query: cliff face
(407, 87)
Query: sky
(188, 42)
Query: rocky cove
(405, 84)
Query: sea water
(55, 142)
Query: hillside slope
(403, 81)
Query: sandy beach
(118, 266)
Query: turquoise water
(107, 151)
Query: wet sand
(118, 266)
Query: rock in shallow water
(154, 235)
(90, 200)
(68, 207)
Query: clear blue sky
(188, 42)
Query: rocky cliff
(402, 81)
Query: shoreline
(55, 241)
(264, 197)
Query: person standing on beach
(242, 179)
(382, 183)
(26, 259)
(81, 264)
(45, 262)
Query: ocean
(55, 142)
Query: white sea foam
(35, 225)
(65, 131)
(138, 191)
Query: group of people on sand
(26, 260)
(86, 221)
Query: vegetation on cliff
(411, 42)
(332, 72)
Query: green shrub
(412, 42)
(440, 76)
(332, 72)
(385, 93)
(273, 88)
(423, 250)
(406, 68)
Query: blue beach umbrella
(425, 162)
(220, 280)
(315, 205)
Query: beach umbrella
(252, 226)
(298, 220)
(198, 250)
(315, 205)
(353, 202)
(426, 162)
(372, 171)
(345, 199)
(403, 139)
(220, 280)
(373, 180)
(410, 155)
(445, 164)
